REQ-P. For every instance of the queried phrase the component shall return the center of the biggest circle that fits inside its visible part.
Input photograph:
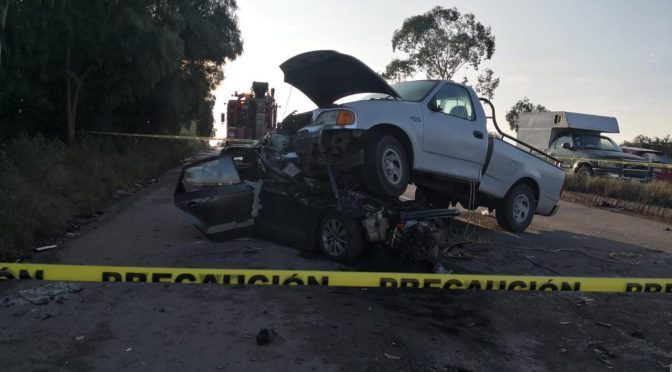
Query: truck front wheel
(516, 210)
(386, 170)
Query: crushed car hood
(326, 75)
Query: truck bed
(507, 164)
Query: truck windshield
(591, 142)
(408, 90)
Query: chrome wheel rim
(334, 237)
(391, 163)
(521, 208)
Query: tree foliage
(143, 65)
(439, 42)
(663, 144)
(523, 105)
(487, 84)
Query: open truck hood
(326, 75)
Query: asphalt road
(180, 327)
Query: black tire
(430, 198)
(516, 210)
(584, 171)
(340, 238)
(390, 179)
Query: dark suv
(589, 154)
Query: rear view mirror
(567, 146)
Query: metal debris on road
(391, 356)
(46, 247)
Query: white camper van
(578, 140)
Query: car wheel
(584, 171)
(340, 238)
(386, 168)
(430, 198)
(516, 210)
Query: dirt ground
(180, 327)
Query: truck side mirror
(567, 146)
(433, 106)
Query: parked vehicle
(431, 133)
(653, 156)
(251, 115)
(577, 140)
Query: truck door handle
(478, 134)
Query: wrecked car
(431, 133)
(255, 191)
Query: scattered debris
(668, 229)
(46, 248)
(50, 315)
(440, 269)
(79, 338)
(637, 334)
(42, 295)
(485, 212)
(266, 336)
(129, 349)
(565, 323)
(606, 325)
(71, 235)
(391, 356)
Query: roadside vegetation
(657, 193)
(67, 67)
(46, 183)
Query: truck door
(214, 199)
(455, 134)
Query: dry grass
(45, 183)
(653, 193)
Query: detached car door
(455, 139)
(214, 199)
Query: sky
(610, 58)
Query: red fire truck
(252, 114)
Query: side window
(455, 101)
(215, 172)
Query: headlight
(336, 117)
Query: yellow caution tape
(168, 136)
(85, 273)
(603, 161)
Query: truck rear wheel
(516, 210)
(386, 170)
(340, 238)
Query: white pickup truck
(430, 133)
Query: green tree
(523, 105)
(4, 9)
(440, 42)
(487, 84)
(69, 65)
